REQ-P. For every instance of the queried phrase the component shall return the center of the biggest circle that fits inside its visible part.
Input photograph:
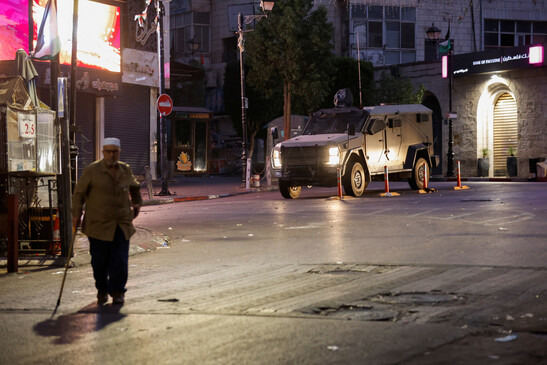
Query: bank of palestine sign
(496, 60)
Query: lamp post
(433, 33)
(241, 21)
(160, 11)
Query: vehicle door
(393, 143)
(375, 143)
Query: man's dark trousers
(110, 263)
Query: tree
(347, 76)
(261, 110)
(292, 48)
(397, 90)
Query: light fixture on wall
(433, 34)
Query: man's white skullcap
(111, 142)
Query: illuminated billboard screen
(98, 32)
(14, 27)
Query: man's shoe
(102, 298)
(118, 298)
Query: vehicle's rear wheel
(421, 167)
(354, 180)
(288, 191)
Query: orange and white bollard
(386, 184)
(425, 189)
(339, 182)
(425, 176)
(386, 180)
(459, 181)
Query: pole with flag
(48, 43)
(446, 46)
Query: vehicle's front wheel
(355, 181)
(288, 191)
(421, 167)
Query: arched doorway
(432, 103)
(505, 131)
(497, 124)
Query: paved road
(416, 279)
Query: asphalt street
(451, 277)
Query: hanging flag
(49, 43)
(446, 46)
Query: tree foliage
(397, 90)
(347, 76)
(291, 51)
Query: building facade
(392, 35)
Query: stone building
(392, 35)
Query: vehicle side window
(375, 126)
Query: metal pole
(73, 76)
(243, 102)
(163, 136)
(450, 154)
(359, 69)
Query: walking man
(112, 199)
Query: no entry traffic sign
(165, 104)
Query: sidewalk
(181, 189)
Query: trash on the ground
(173, 300)
(333, 348)
(527, 315)
(493, 357)
(506, 338)
(509, 317)
(58, 273)
(239, 225)
(170, 228)
(250, 235)
(185, 240)
(502, 229)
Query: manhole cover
(363, 314)
(413, 298)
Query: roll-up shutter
(127, 117)
(505, 132)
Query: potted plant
(512, 162)
(483, 166)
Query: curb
(180, 199)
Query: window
(510, 33)
(188, 26)
(389, 32)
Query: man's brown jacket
(107, 200)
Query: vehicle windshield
(333, 123)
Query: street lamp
(241, 21)
(433, 34)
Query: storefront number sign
(27, 125)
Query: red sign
(165, 104)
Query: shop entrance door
(190, 145)
(505, 132)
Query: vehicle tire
(288, 191)
(416, 180)
(355, 180)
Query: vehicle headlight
(276, 158)
(334, 156)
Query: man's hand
(136, 210)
